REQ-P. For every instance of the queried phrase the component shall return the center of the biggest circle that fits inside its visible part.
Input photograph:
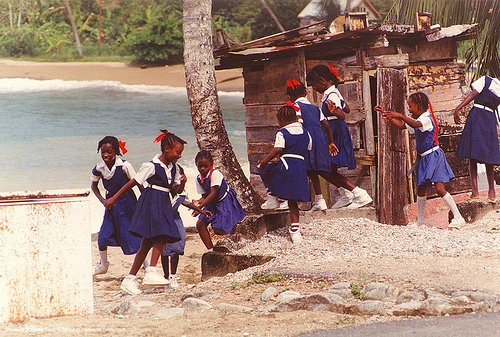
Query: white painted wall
(45, 255)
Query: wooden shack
(379, 64)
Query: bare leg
(294, 211)
(422, 191)
(491, 181)
(473, 178)
(157, 249)
(164, 265)
(204, 234)
(174, 262)
(143, 251)
(439, 189)
(337, 179)
(315, 182)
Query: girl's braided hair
(421, 99)
(110, 140)
(321, 71)
(295, 89)
(170, 140)
(203, 154)
(287, 113)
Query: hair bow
(292, 83)
(121, 145)
(160, 137)
(333, 71)
(435, 136)
(290, 103)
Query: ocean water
(49, 130)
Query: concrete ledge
(253, 227)
(473, 210)
(220, 264)
(363, 212)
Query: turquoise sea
(49, 129)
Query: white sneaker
(361, 198)
(173, 281)
(272, 202)
(101, 269)
(151, 276)
(342, 201)
(130, 285)
(455, 222)
(146, 263)
(283, 206)
(319, 205)
(295, 236)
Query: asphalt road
(469, 325)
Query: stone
(289, 294)
(461, 300)
(234, 308)
(411, 308)
(195, 304)
(435, 294)
(268, 294)
(170, 312)
(436, 307)
(221, 264)
(144, 304)
(409, 295)
(340, 285)
(291, 303)
(369, 307)
(324, 301)
(200, 294)
(379, 291)
(344, 293)
(126, 307)
(268, 308)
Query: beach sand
(227, 80)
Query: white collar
(102, 165)
(331, 89)
(425, 114)
(302, 99)
(157, 160)
(292, 125)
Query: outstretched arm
(469, 98)
(332, 148)
(111, 201)
(398, 119)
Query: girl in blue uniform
(479, 140)
(154, 219)
(325, 81)
(217, 198)
(287, 178)
(432, 167)
(115, 173)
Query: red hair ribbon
(333, 71)
(292, 83)
(435, 137)
(121, 145)
(209, 175)
(289, 103)
(160, 137)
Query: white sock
(421, 210)
(172, 276)
(295, 227)
(318, 197)
(103, 255)
(448, 199)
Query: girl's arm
(210, 196)
(179, 188)
(470, 97)
(274, 153)
(336, 111)
(398, 118)
(332, 148)
(111, 201)
(95, 188)
(198, 210)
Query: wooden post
(392, 148)
(369, 133)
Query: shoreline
(227, 80)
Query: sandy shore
(227, 80)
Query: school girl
(217, 198)
(479, 140)
(154, 216)
(287, 178)
(432, 167)
(325, 81)
(115, 173)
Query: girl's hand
(110, 203)
(331, 106)
(263, 166)
(208, 214)
(183, 178)
(457, 117)
(332, 148)
(379, 109)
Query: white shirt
(108, 174)
(494, 86)
(306, 101)
(215, 180)
(426, 120)
(147, 170)
(294, 129)
(334, 95)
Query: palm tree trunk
(201, 89)
(273, 16)
(75, 30)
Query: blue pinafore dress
(154, 215)
(479, 140)
(116, 222)
(225, 207)
(171, 249)
(432, 165)
(341, 138)
(318, 158)
(287, 178)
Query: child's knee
(219, 231)
(201, 225)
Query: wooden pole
(270, 11)
(100, 32)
